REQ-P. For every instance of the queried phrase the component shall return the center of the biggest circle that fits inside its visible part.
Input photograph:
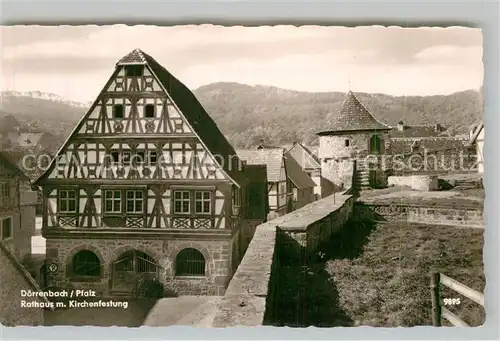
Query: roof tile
(353, 116)
(297, 174)
(272, 158)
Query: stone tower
(355, 136)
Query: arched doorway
(130, 267)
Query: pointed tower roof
(353, 116)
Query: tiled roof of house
(416, 131)
(431, 144)
(304, 157)
(353, 116)
(10, 162)
(297, 174)
(27, 140)
(272, 158)
(134, 57)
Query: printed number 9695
(451, 301)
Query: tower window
(149, 111)
(346, 143)
(134, 70)
(118, 111)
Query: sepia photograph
(224, 176)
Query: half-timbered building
(17, 208)
(309, 162)
(301, 183)
(145, 186)
(279, 186)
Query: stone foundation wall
(416, 182)
(217, 254)
(433, 215)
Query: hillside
(247, 114)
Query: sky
(75, 62)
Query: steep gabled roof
(192, 110)
(353, 116)
(204, 126)
(478, 127)
(8, 161)
(272, 158)
(296, 174)
(304, 156)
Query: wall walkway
(250, 297)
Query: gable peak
(135, 57)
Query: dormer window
(149, 111)
(118, 111)
(134, 70)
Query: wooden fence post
(436, 305)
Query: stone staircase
(362, 176)
(468, 184)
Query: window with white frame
(203, 202)
(6, 228)
(113, 201)
(135, 201)
(182, 200)
(67, 201)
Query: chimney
(437, 127)
(401, 126)
(294, 143)
(262, 141)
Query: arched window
(190, 262)
(86, 263)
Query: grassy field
(379, 275)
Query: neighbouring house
(146, 187)
(309, 162)
(17, 208)
(278, 186)
(17, 226)
(477, 142)
(354, 137)
(432, 155)
(416, 131)
(34, 142)
(301, 183)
